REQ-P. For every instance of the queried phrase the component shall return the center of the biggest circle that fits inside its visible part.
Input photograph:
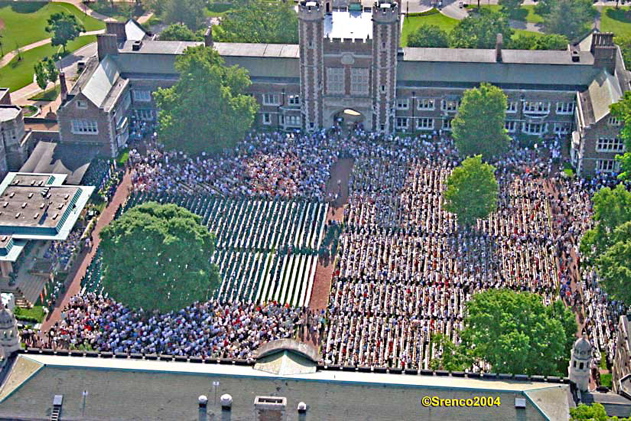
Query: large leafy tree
(479, 125)
(480, 30)
(471, 191)
(593, 412)
(157, 257)
(571, 18)
(516, 333)
(608, 244)
(622, 111)
(179, 32)
(65, 27)
(207, 109)
(188, 12)
(260, 21)
(510, 7)
(624, 41)
(46, 71)
(430, 36)
(539, 42)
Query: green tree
(179, 32)
(430, 36)
(41, 76)
(516, 333)
(65, 27)
(624, 41)
(188, 12)
(207, 109)
(157, 257)
(593, 412)
(452, 358)
(510, 7)
(51, 69)
(478, 128)
(539, 42)
(471, 191)
(480, 30)
(622, 111)
(614, 268)
(260, 21)
(571, 18)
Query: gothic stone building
(348, 68)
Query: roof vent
(12, 194)
(302, 408)
(17, 215)
(30, 195)
(23, 205)
(136, 46)
(226, 402)
(55, 216)
(57, 403)
(5, 204)
(36, 215)
(270, 407)
(202, 401)
(520, 403)
(575, 56)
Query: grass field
(525, 13)
(615, 20)
(23, 22)
(19, 73)
(432, 17)
(49, 95)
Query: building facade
(348, 69)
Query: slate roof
(49, 157)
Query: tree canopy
(539, 42)
(430, 36)
(515, 333)
(471, 191)
(65, 27)
(480, 30)
(571, 18)
(260, 21)
(510, 7)
(157, 257)
(179, 32)
(608, 244)
(45, 71)
(622, 111)
(593, 412)
(479, 125)
(189, 12)
(207, 110)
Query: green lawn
(525, 13)
(23, 22)
(19, 73)
(433, 17)
(615, 20)
(49, 95)
(35, 314)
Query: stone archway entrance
(348, 119)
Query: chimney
(203, 410)
(116, 28)
(63, 86)
(106, 45)
(604, 51)
(498, 48)
(208, 37)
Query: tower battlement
(385, 11)
(310, 10)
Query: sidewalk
(82, 263)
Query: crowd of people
(405, 268)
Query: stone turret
(311, 34)
(580, 364)
(9, 335)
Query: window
(511, 107)
(292, 121)
(561, 128)
(142, 96)
(425, 124)
(534, 128)
(425, 104)
(335, 80)
(81, 104)
(271, 99)
(450, 105)
(359, 82)
(294, 100)
(605, 144)
(580, 365)
(84, 127)
(403, 104)
(144, 114)
(402, 123)
(565, 107)
(613, 121)
(510, 126)
(267, 119)
(383, 89)
(606, 165)
(536, 107)
(447, 124)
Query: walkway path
(73, 287)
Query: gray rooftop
(103, 83)
(595, 101)
(22, 206)
(60, 158)
(470, 55)
(9, 112)
(122, 389)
